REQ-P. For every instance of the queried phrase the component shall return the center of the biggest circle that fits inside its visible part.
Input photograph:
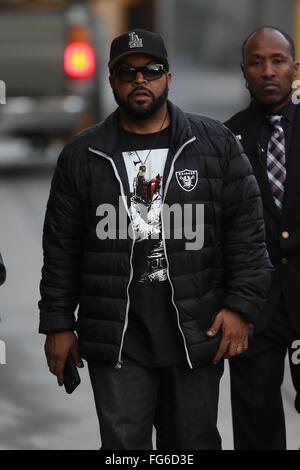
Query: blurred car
(48, 62)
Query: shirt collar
(287, 111)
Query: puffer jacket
(231, 270)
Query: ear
(169, 79)
(296, 68)
(111, 81)
(242, 65)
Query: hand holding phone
(59, 346)
(71, 375)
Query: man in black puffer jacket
(162, 299)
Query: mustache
(141, 88)
(271, 82)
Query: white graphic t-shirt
(145, 182)
(152, 337)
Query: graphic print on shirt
(145, 182)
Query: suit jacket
(282, 228)
(2, 271)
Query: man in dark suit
(2, 271)
(269, 130)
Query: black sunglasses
(128, 74)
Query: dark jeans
(256, 379)
(181, 403)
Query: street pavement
(35, 413)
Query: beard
(142, 112)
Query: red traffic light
(79, 60)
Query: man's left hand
(234, 334)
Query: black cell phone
(71, 375)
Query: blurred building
(209, 33)
(206, 32)
(54, 53)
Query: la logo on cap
(135, 41)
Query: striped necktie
(276, 160)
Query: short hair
(271, 28)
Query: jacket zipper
(165, 249)
(104, 155)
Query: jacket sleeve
(248, 268)
(62, 245)
(2, 271)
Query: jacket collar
(246, 126)
(105, 139)
(287, 111)
(247, 130)
(106, 136)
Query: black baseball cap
(138, 41)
